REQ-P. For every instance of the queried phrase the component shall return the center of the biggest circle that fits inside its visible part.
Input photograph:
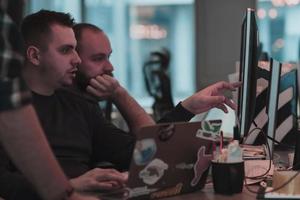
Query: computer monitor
(272, 106)
(296, 162)
(248, 68)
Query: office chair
(158, 83)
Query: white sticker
(139, 191)
(209, 130)
(202, 163)
(184, 166)
(153, 171)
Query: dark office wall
(218, 35)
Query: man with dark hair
(94, 79)
(79, 135)
(37, 30)
(50, 64)
(20, 131)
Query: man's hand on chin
(104, 87)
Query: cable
(274, 189)
(284, 184)
(280, 143)
(270, 161)
(269, 151)
(253, 121)
(269, 137)
(269, 168)
(267, 171)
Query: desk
(207, 193)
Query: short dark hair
(37, 26)
(80, 27)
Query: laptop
(169, 159)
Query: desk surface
(207, 193)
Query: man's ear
(33, 55)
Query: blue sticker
(144, 151)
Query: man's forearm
(22, 137)
(135, 116)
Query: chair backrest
(158, 83)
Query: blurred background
(203, 37)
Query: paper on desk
(254, 168)
(253, 152)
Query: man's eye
(65, 50)
(98, 58)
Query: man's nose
(76, 60)
(108, 66)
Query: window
(136, 28)
(70, 6)
(279, 28)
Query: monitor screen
(275, 68)
(248, 68)
(296, 162)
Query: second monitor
(248, 68)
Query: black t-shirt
(81, 137)
(79, 134)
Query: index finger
(231, 103)
(222, 86)
(236, 84)
(231, 86)
(107, 77)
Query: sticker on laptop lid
(139, 191)
(167, 192)
(153, 171)
(144, 151)
(184, 166)
(202, 164)
(210, 130)
(165, 132)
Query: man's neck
(36, 83)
